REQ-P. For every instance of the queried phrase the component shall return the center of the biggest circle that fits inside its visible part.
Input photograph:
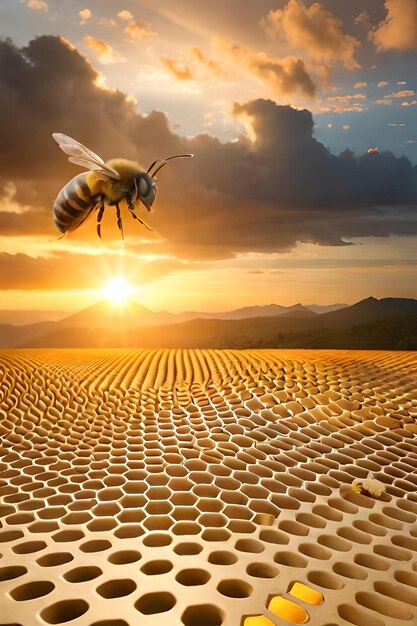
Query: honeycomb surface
(201, 488)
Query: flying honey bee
(104, 184)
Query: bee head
(145, 189)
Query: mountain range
(388, 323)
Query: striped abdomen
(74, 203)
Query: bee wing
(81, 155)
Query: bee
(104, 184)
(369, 486)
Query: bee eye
(144, 187)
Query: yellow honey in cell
(306, 594)
(287, 610)
(257, 620)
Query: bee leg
(119, 219)
(100, 217)
(141, 221)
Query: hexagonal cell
(158, 522)
(117, 588)
(11, 572)
(129, 531)
(203, 615)
(133, 502)
(262, 570)
(158, 493)
(102, 524)
(82, 574)
(291, 559)
(95, 545)
(156, 540)
(249, 545)
(234, 588)
(154, 603)
(185, 513)
(156, 567)
(29, 591)
(28, 547)
(65, 536)
(10, 535)
(186, 528)
(188, 548)
(53, 559)
(287, 610)
(107, 509)
(64, 611)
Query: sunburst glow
(117, 290)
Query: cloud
(406, 93)
(103, 51)
(62, 270)
(316, 30)
(125, 15)
(85, 15)
(37, 5)
(342, 104)
(364, 20)
(208, 64)
(360, 85)
(197, 66)
(399, 29)
(139, 30)
(383, 83)
(263, 195)
(8, 203)
(179, 70)
(287, 76)
(105, 21)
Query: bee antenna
(160, 163)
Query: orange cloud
(125, 15)
(37, 5)
(139, 30)
(103, 51)
(283, 76)
(179, 70)
(406, 93)
(213, 67)
(316, 30)
(399, 29)
(85, 15)
(349, 102)
(363, 19)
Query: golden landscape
(207, 487)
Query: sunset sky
(303, 120)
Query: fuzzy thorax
(114, 190)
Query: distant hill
(389, 322)
(326, 308)
(20, 318)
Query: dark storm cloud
(262, 195)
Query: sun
(117, 290)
